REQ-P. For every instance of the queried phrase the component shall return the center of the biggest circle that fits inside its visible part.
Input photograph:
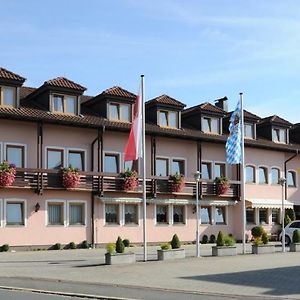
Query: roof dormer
(164, 111)
(275, 129)
(115, 104)
(58, 95)
(10, 84)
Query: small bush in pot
(175, 243)
(222, 184)
(257, 232)
(119, 245)
(110, 248)
(265, 238)
(178, 182)
(204, 239)
(212, 239)
(229, 241)
(296, 236)
(220, 239)
(165, 246)
(126, 243)
(7, 174)
(72, 245)
(4, 248)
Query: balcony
(100, 183)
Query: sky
(192, 50)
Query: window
(15, 155)
(131, 165)
(162, 214)
(275, 216)
(291, 179)
(55, 159)
(55, 213)
(205, 215)
(178, 214)
(275, 173)
(77, 214)
(219, 170)
(120, 112)
(220, 215)
(8, 96)
(162, 167)
(64, 104)
(249, 130)
(210, 125)
(206, 170)
(295, 225)
(263, 175)
(111, 213)
(250, 174)
(279, 135)
(15, 213)
(168, 119)
(131, 214)
(250, 215)
(76, 159)
(178, 166)
(111, 163)
(263, 216)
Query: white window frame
(52, 95)
(77, 202)
(123, 164)
(169, 217)
(210, 213)
(286, 135)
(64, 213)
(76, 150)
(219, 162)
(18, 200)
(16, 100)
(168, 118)
(119, 160)
(211, 132)
(211, 170)
(254, 173)
(225, 217)
(254, 131)
(120, 112)
(54, 148)
(120, 222)
(138, 215)
(5, 144)
(267, 175)
(296, 178)
(171, 164)
(184, 215)
(168, 165)
(270, 177)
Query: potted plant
(295, 245)
(131, 181)
(70, 178)
(165, 253)
(261, 241)
(7, 174)
(225, 246)
(222, 184)
(115, 254)
(178, 182)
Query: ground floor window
(15, 213)
(275, 215)
(263, 216)
(205, 215)
(111, 213)
(77, 214)
(250, 215)
(297, 211)
(131, 214)
(178, 214)
(162, 214)
(56, 213)
(220, 215)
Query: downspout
(93, 219)
(285, 171)
(199, 166)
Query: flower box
(119, 258)
(222, 185)
(71, 178)
(170, 254)
(295, 247)
(7, 174)
(178, 183)
(263, 249)
(131, 181)
(224, 251)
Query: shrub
(287, 220)
(119, 245)
(291, 213)
(72, 245)
(84, 245)
(220, 239)
(126, 243)
(257, 232)
(212, 239)
(265, 238)
(204, 239)
(296, 236)
(110, 248)
(165, 246)
(229, 240)
(4, 248)
(56, 246)
(175, 243)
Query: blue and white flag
(233, 145)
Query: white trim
(296, 178)
(255, 175)
(137, 217)
(64, 212)
(54, 148)
(179, 159)
(267, 175)
(168, 215)
(168, 165)
(15, 144)
(119, 216)
(119, 160)
(269, 203)
(69, 202)
(211, 162)
(270, 175)
(19, 200)
(184, 215)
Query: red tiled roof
(118, 92)
(167, 100)
(249, 115)
(207, 107)
(275, 120)
(25, 91)
(5, 74)
(64, 83)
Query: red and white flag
(134, 149)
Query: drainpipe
(93, 220)
(285, 171)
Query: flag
(133, 149)
(233, 145)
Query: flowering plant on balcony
(70, 177)
(131, 181)
(7, 174)
(222, 184)
(178, 182)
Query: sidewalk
(266, 275)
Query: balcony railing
(45, 179)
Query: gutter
(285, 171)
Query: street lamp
(282, 183)
(197, 177)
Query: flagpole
(242, 172)
(144, 169)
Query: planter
(131, 183)
(178, 187)
(119, 258)
(7, 178)
(295, 247)
(222, 188)
(224, 251)
(170, 254)
(262, 249)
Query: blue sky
(194, 51)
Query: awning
(120, 200)
(269, 203)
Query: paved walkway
(268, 275)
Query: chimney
(222, 103)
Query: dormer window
(279, 135)
(120, 112)
(168, 118)
(249, 130)
(211, 125)
(8, 96)
(64, 104)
